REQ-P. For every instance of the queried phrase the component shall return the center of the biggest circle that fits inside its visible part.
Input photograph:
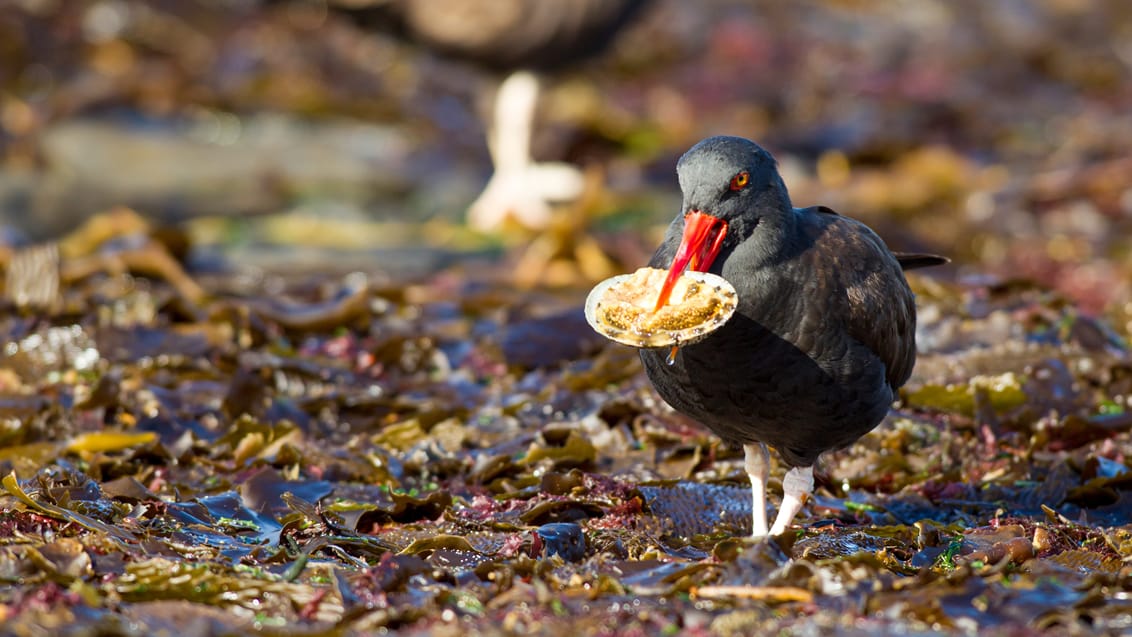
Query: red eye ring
(740, 181)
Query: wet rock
(549, 340)
(564, 539)
(215, 164)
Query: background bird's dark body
(539, 35)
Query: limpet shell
(609, 313)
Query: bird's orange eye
(739, 182)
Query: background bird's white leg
(758, 469)
(518, 186)
(796, 486)
(509, 137)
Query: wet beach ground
(258, 375)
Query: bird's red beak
(703, 237)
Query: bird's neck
(783, 217)
(769, 234)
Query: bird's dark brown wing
(877, 307)
(907, 260)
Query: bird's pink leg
(797, 485)
(758, 469)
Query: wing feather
(877, 307)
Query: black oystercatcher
(518, 37)
(824, 333)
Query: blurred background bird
(519, 43)
(520, 40)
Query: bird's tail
(910, 261)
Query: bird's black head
(731, 187)
(734, 180)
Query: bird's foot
(797, 485)
(527, 194)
